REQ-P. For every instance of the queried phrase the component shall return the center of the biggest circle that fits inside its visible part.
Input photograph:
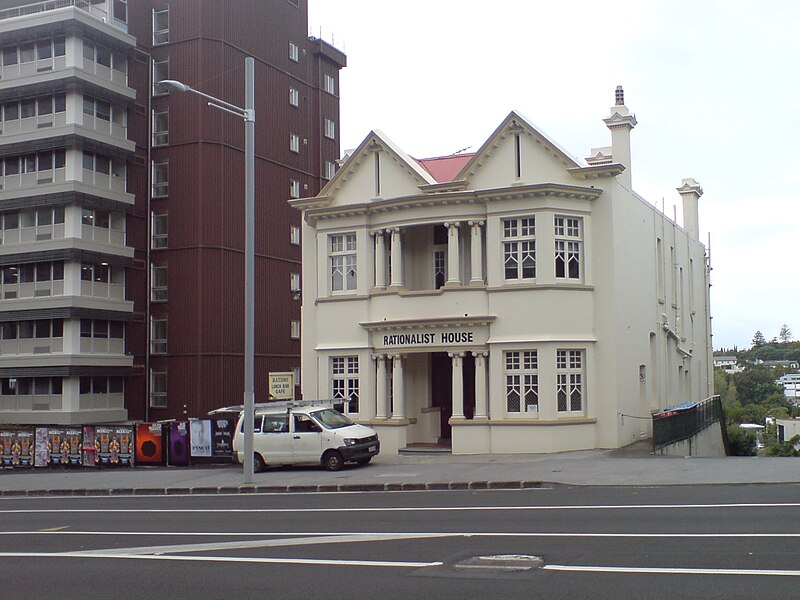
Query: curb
(281, 489)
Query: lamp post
(248, 113)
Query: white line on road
(403, 534)
(669, 571)
(231, 559)
(62, 510)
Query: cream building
(512, 300)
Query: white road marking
(402, 535)
(229, 559)
(368, 509)
(670, 571)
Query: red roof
(444, 168)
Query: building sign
(445, 337)
(281, 385)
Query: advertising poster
(123, 439)
(222, 432)
(149, 444)
(104, 444)
(74, 440)
(42, 452)
(57, 446)
(18, 447)
(200, 437)
(89, 450)
(178, 444)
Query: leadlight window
(519, 248)
(343, 265)
(568, 243)
(522, 381)
(569, 381)
(345, 383)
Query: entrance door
(442, 391)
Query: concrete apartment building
(121, 206)
(516, 299)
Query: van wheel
(258, 463)
(332, 461)
(364, 461)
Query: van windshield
(331, 419)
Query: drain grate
(500, 562)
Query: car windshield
(331, 419)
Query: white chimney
(690, 192)
(620, 123)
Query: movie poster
(123, 438)
(200, 437)
(149, 444)
(57, 446)
(74, 438)
(222, 431)
(17, 447)
(178, 444)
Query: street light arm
(178, 86)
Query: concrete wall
(707, 443)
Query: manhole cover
(501, 562)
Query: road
(561, 542)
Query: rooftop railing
(93, 8)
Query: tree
(756, 385)
(785, 334)
(758, 339)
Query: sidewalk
(388, 473)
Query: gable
(541, 160)
(376, 169)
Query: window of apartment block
(343, 265)
(519, 248)
(294, 188)
(569, 239)
(160, 178)
(569, 381)
(159, 231)
(158, 389)
(294, 96)
(161, 127)
(294, 282)
(329, 84)
(294, 235)
(294, 52)
(294, 142)
(294, 330)
(330, 169)
(522, 381)
(158, 335)
(121, 10)
(160, 25)
(160, 73)
(330, 129)
(345, 383)
(158, 283)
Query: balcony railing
(93, 8)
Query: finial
(619, 96)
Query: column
(476, 252)
(453, 277)
(397, 258)
(458, 384)
(380, 259)
(480, 385)
(382, 397)
(398, 385)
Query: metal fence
(682, 422)
(37, 7)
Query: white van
(305, 434)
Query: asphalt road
(655, 542)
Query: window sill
(512, 287)
(510, 420)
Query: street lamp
(249, 115)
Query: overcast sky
(714, 86)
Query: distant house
(772, 364)
(729, 364)
(787, 429)
(790, 384)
